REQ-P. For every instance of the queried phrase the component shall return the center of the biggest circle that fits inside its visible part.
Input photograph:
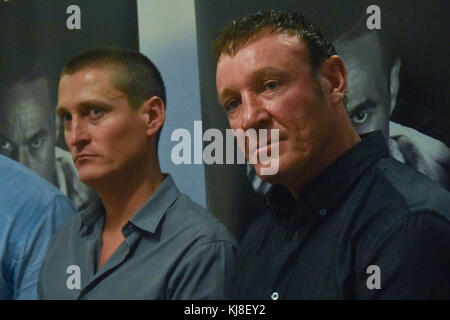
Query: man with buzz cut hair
(344, 220)
(142, 239)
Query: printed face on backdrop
(106, 137)
(371, 93)
(269, 84)
(27, 127)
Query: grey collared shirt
(173, 249)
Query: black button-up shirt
(369, 227)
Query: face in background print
(372, 85)
(27, 126)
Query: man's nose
(255, 114)
(24, 156)
(78, 135)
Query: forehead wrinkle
(114, 93)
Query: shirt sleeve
(201, 273)
(413, 262)
(30, 260)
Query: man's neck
(126, 196)
(342, 141)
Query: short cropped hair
(136, 75)
(237, 33)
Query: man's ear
(154, 111)
(394, 82)
(334, 75)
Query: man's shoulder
(17, 179)
(29, 197)
(391, 195)
(187, 216)
(415, 191)
(403, 224)
(66, 232)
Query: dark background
(34, 31)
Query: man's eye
(36, 142)
(66, 117)
(271, 85)
(95, 112)
(231, 105)
(5, 146)
(360, 117)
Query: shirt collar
(91, 214)
(151, 213)
(326, 191)
(147, 217)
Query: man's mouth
(83, 157)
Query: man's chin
(90, 178)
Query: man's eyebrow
(225, 93)
(256, 75)
(93, 103)
(4, 137)
(39, 133)
(366, 104)
(60, 111)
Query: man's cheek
(45, 154)
(363, 127)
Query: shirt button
(128, 228)
(274, 295)
(323, 212)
